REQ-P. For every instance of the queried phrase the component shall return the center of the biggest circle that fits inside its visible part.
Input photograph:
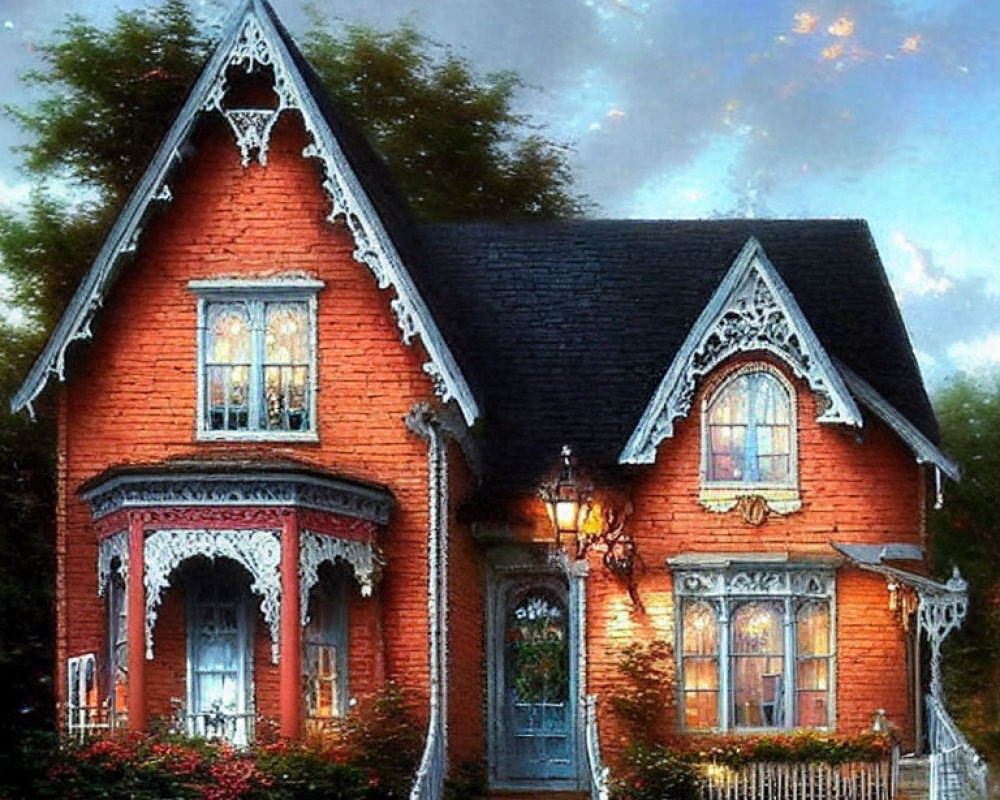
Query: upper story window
(749, 440)
(257, 359)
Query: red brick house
(303, 451)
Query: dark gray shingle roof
(565, 329)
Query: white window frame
(82, 718)
(782, 497)
(255, 293)
(724, 587)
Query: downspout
(428, 783)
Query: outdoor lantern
(567, 501)
(574, 514)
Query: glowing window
(701, 667)
(755, 647)
(324, 652)
(749, 431)
(257, 360)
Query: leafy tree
(452, 140)
(966, 533)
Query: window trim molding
(724, 583)
(289, 288)
(723, 496)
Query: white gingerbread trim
(251, 40)
(108, 549)
(751, 311)
(257, 550)
(317, 548)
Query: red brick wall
(130, 397)
(466, 694)
(866, 491)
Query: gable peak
(751, 310)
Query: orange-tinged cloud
(805, 22)
(911, 44)
(842, 26)
(832, 52)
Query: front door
(534, 715)
(219, 658)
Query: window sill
(257, 436)
(725, 497)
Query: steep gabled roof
(567, 329)
(355, 180)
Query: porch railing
(234, 728)
(808, 781)
(598, 772)
(958, 772)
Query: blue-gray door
(537, 714)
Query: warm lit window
(325, 650)
(756, 649)
(257, 360)
(701, 666)
(748, 440)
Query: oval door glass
(537, 688)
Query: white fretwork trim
(109, 548)
(751, 311)
(252, 41)
(257, 550)
(940, 610)
(316, 548)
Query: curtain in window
(286, 366)
(749, 431)
(701, 666)
(813, 662)
(228, 362)
(757, 661)
(324, 653)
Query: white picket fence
(809, 781)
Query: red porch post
(136, 691)
(290, 669)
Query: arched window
(749, 430)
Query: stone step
(914, 779)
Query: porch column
(136, 691)
(290, 669)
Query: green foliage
(450, 137)
(383, 737)
(372, 757)
(27, 561)
(966, 534)
(467, 782)
(111, 94)
(647, 690)
(800, 747)
(655, 772)
(539, 656)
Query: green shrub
(655, 772)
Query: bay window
(756, 646)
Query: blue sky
(887, 110)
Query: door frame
(509, 569)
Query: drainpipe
(428, 783)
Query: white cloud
(14, 195)
(976, 355)
(912, 269)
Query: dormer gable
(751, 310)
(254, 41)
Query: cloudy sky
(888, 110)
